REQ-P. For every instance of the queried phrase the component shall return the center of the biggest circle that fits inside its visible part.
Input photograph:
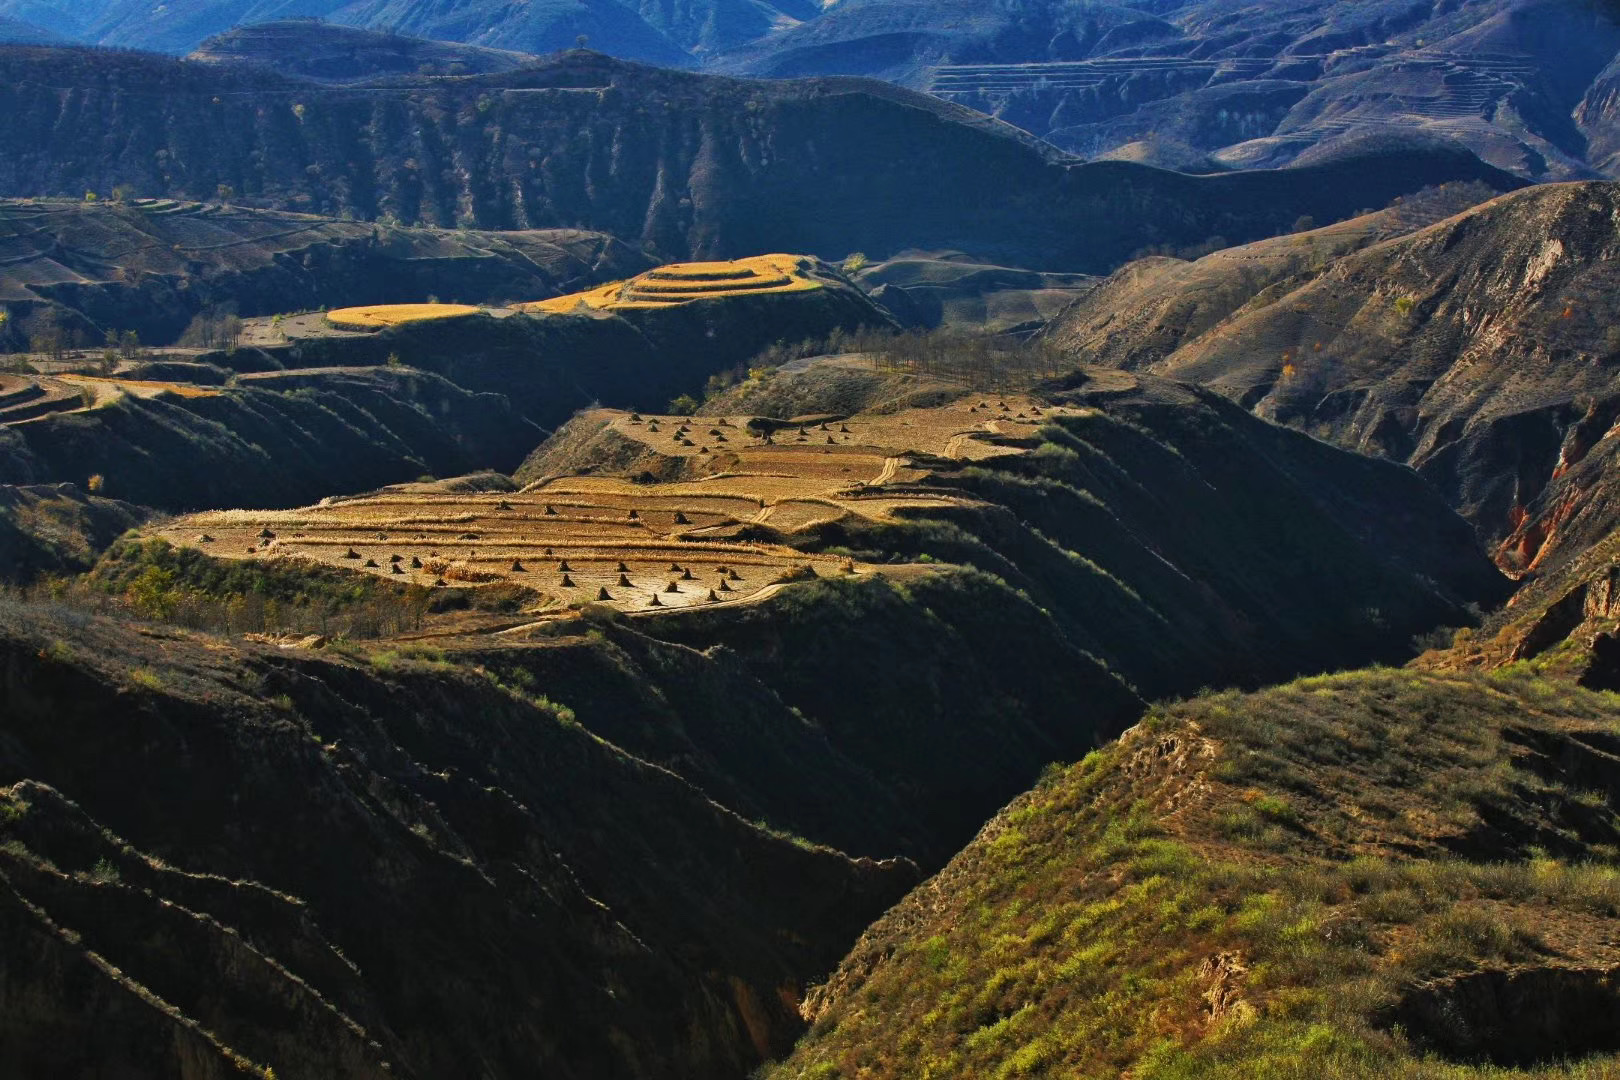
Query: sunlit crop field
(679, 283)
(382, 316)
(644, 548)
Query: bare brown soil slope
(1480, 350)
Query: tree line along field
(641, 547)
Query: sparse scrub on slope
(1275, 885)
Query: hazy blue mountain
(17, 32)
(1191, 84)
(1246, 84)
(536, 26)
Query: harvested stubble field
(679, 283)
(641, 548)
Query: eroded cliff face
(1480, 350)
(684, 165)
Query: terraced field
(1289, 102)
(679, 283)
(644, 548)
(24, 397)
(667, 286)
(971, 82)
(29, 397)
(382, 316)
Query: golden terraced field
(639, 547)
(382, 316)
(25, 398)
(663, 287)
(679, 283)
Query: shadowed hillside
(1200, 85)
(314, 410)
(275, 440)
(222, 860)
(654, 31)
(519, 562)
(1002, 597)
(153, 265)
(520, 830)
(58, 529)
(686, 165)
(524, 834)
(350, 54)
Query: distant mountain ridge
(1527, 84)
(18, 32)
(655, 31)
(685, 165)
(331, 53)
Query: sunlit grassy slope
(1382, 874)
